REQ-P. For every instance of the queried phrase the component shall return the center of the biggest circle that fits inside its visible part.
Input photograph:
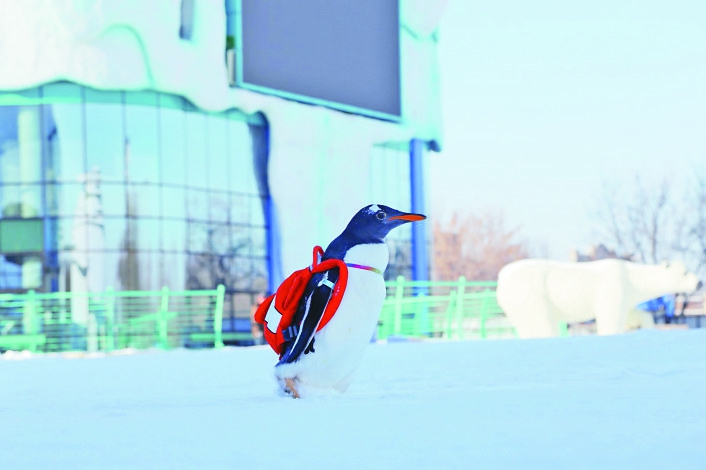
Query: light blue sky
(544, 100)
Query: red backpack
(276, 313)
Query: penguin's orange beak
(408, 217)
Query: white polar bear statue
(537, 294)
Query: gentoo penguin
(329, 357)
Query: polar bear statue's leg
(647, 320)
(640, 319)
(534, 318)
(611, 316)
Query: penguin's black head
(372, 223)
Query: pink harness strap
(366, 268)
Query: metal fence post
(29, 317)
(162, 333)
(421, 315)
(459, 305)
(218, 317)
(109, 319)
(399, 297)
(449, 313)
(484, 310)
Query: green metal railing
(445, 309)
(104, 321)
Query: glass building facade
(390, 185)
(141, 190)
(129, 190)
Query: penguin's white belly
(340, 345)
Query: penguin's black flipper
(309, 315)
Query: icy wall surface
(319, 157)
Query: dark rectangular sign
(343, 54)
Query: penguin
(328, 358)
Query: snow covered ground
(631, 401)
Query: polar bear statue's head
(676, 275)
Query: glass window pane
(197, 167)
(173, 138)
(31, 200)
(113, 199)
(111, 261)
(219, 239)
(242, 174)
(116, 167)
(257, 216)
(64, 233)
(390, 177)
(10, 273)
(128, 277)
(174, 202)
(95, 230)
(106, 147)
(75, 269)
(197, 204)
(78, 237)
(9, 144)
(218, 152)
(51, 241)
(69, 197)
(241, 240)
(199, 274)
(95, 270)
(145, 201)
(240, 274)
(65, 258)
(219, 205)
(68, 145)
(259, 244)
(174, 235)
(150, 270)
(389, 170)
(115, 233)
(175, 276)
(51, 195)
(239, 209)
(146, 232)
(142, 134)
(197, 238)
(242, 303)
(30, 141)
(10, 200)
(259, 275)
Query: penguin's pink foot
(290, 387)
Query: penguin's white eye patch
(381, 215)
(373, 209)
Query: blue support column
(274, 254)
(420, 254)
(260, 133)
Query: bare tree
(476, 247)
(691, 230)
(640, 223)
(658, 222)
